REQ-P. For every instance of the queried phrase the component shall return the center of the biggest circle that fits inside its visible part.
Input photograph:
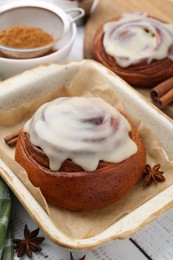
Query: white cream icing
(137, 36)
(85, 130)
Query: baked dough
(73, 188)
(146, 72)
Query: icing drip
(136, 37)
(85, 130)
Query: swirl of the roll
(137, 47)
(136, 37)
(85, 130)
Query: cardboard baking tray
(19, 98)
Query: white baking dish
(24, 88)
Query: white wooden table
(154, 242)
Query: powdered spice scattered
(24, 37)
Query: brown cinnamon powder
(21, 36)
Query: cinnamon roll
(137, 47)
(81, 152)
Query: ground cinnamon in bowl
(21, 36)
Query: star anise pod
(153, 174)
(72, 258)
(30, 243)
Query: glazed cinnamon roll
(137, 47)
(81, 152)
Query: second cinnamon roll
(137, 47)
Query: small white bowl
(38, 11)
(11, 67)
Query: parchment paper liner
(88, 82)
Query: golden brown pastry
(137, 47)
(81, 152)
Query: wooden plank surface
(107, 9)
(156, 239)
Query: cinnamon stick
(162, 94)
(162, 88)
(11, 139)
(165, 99)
